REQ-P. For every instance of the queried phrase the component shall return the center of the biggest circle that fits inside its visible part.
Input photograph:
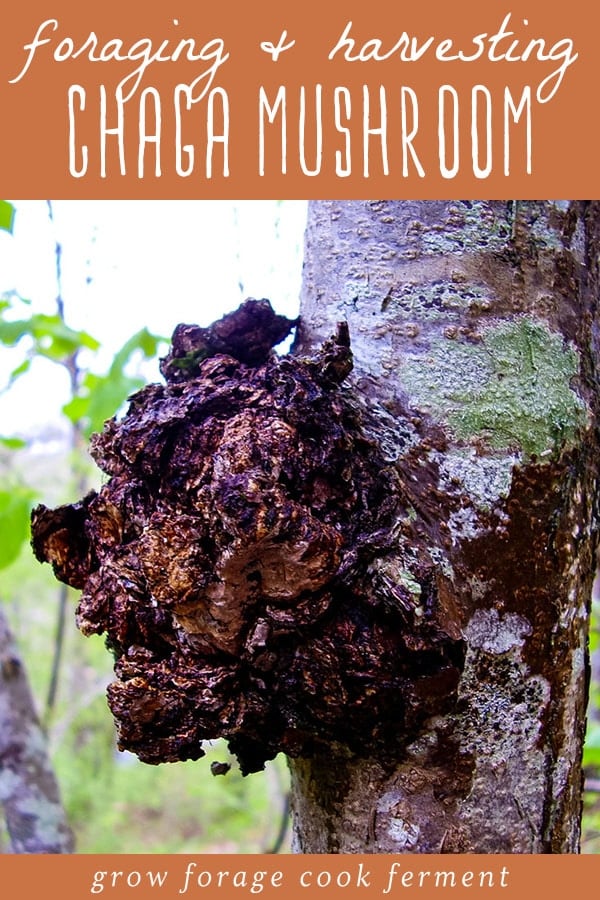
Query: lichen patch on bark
(511, 388)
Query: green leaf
(7, 216)
(56, 338)
(76, 409)
(20, 369)
(10, 299)
(142, 340)
(15, 509)
(13, 443)
(591, 756)
(12, 332)
(591, 748)
(101, 396)
(51, 337)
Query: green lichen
(191, 360)
(512, 389)
(407, 580)
(485, 479)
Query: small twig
(283, 826)
(58, 265)
(72, 366)
(59, 640)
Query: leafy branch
(7, 216)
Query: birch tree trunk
(29, 793)
(475, 331)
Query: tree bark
(475, 333)
(29, 793)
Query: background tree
(475, 332)
(29, 792)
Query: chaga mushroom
(230, 558)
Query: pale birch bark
(479, 319)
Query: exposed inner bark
(242, 558)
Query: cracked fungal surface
(231, 555)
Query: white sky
(130, 264)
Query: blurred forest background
(89, 295)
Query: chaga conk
(239, 559)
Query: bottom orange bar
(174, 877)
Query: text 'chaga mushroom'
(227, 558)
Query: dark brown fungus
(230, 559)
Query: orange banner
(269, 99)
(350, 100)
(368, 877)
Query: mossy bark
(475, 332)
